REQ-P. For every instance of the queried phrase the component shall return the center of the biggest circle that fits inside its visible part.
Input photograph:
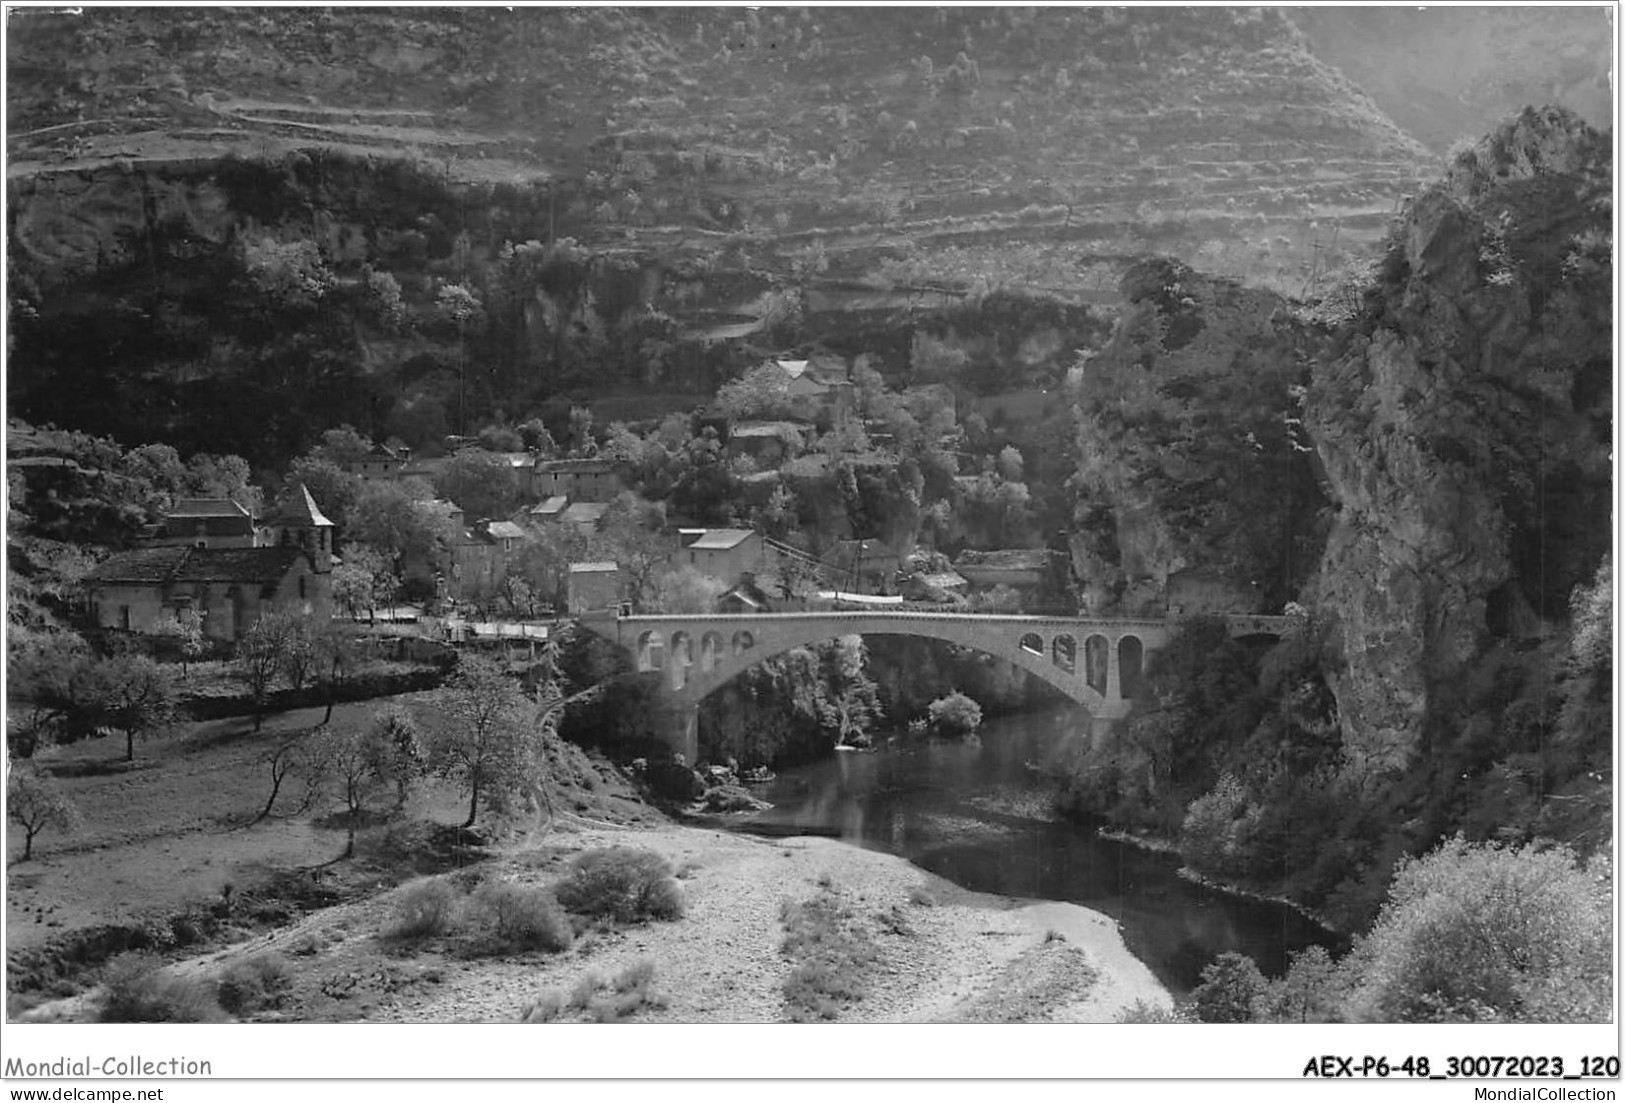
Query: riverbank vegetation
(1470, 932)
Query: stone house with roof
(206, 523)
(226, 589)
(723, 554)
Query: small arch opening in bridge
(1032, 642)
(651, 652)
(1130, 666)
(743, 642)
(1064, 651)
(1096, 657)
(682, 657)
(711, 652)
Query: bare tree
(259, 659)
(350, 758)
(35, 804)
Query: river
(980, 816)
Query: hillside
(703, 185)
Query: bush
(955, 715)
(424, 910)
(629, 994)
(622, 883)
(254, 983)
(524, 916)
(545, 1008)
(1474, 932)
(1231, 990)
(138, 991)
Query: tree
(288, 758)
(630, 535)
(259, 658)
(1476, 932)
(299, 650)
(399, 518)
(187, 632)
(849, 702)
(35, 803)
(364, 580)
(686, 590)
(352, 759)
(761, 393)
(485, 746)
(136, 697)
(398, 745)
(955, 715)
(1311, 991)
(1231, 990)
(483, 484)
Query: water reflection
(979, 815)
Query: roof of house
(550, 507)
(505, 530)
(593, 568)
(300, 511)
(586, 466)
(721, 539)
(846, 554)
(157, 566)
(1005, 559)
(942, 580)
(792, 368)
(585, 513)
(206, 507)
(784, 430)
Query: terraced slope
(1024, 148)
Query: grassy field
(170, 834)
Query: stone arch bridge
(1096, 661)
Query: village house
(580, 480)
(381, 462)
(206, 523)
(818, 391)
(768, 442)
(722, 554)
(223, 588)
(1028, 571)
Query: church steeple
(300, 524)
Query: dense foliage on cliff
(1451, 677)
(1192, 449)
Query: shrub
(423, 910)
(524, 916)
(254, 983)
(138, 991)
(621, 883)
(832, 954)
(1475, 932)
(921, 896)
(1142, 1011)
(545, 1008)
(955, 715)
(1230, 991)
(629, 994)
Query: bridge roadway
(1096, 661)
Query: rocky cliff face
(1195, 485)
(1464, 426)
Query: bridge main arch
(1046, 647)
